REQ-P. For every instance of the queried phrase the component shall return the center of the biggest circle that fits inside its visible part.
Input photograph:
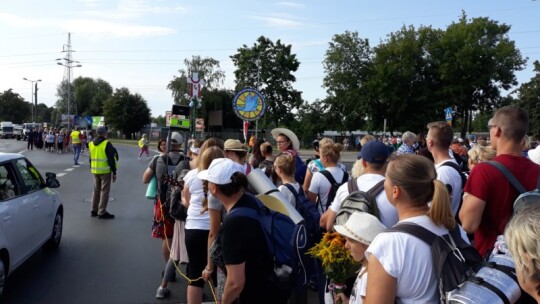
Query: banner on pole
(448, 115)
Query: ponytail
(440, 212)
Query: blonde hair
(367, 138)
(327, 147)
(522, 237)
(266, 148)
(417, 177)
(479, 153)
(357, 169)
(526, 143)
(285, 162)
(206, 158)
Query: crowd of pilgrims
(418, 188)
(56, 139)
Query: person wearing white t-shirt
(439, 139)
(373, 158)
(359, 231)
(320, 185)
(284, 166)
(400, 267)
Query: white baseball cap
(220, 171)
(534, 155)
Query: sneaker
(93, 213)
(162, 292)
(106, 216)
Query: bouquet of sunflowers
(337, 261)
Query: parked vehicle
(6, 129)
(18, 131)
(31, 212)
(28, 126)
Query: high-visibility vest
(98, 158)
(141, 142)
(75, 137)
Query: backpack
(286, 242)
(300, 170)
(176, 209)
(164, 191)
(359, 201)
(454, 260)
(463, 182)
(333, 187)
(525, 198)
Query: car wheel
(3, 276)
(56, 234)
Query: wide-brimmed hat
(290, 134)
(361, 227)
(534, 155)
(220, 171)
(234, 145)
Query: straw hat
(234, 145)
(290, 134)
(361, 227)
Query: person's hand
(341, 298)
(207, 274)
(114, 177)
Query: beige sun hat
(534, 155)
(290, 134)
(361, 227)
(234, 145)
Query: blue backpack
(286, 241)
(308, 210)
(300, 170)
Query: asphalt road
(98, 261)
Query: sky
(141, 44)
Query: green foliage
(269, 67)
(126, 112)
(529, 99)
(208, 69)
(90, 95)
(312, 119)
(14, 108)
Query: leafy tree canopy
(126, 112)
(14, 108)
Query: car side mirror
(51, 180)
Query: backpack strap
(333, 182)
(414, 230)
(293, 191)
(352, 185)
(372, 193)
(458, 169)
(509, 176)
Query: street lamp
(69, 64)
(32, 94)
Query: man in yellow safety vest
(75, 137)
(103, 167)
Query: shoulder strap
(352, 185)
(509, 176)
(293, 191)
(416, 231)
(329, 177)
(375, 190)
(458, 169)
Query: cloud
(280, 21)
(89, 3)
(291, 4)
(100, 27)
(128, 9)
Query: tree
(269, 67)
(90, 95)
(14, 108)
(62, 101)
(405, 83)
(312, 120)
(348, 64)
(208, 69)
(126, 112)
(529, 99)
(477, 59)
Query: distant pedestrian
(76, 144)
(31, 137)
(143, 145)
(103, 167)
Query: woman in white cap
(400, 268)
(359, 230)
(244, 252)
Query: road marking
(60, 174)
(69, 169)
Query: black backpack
(463, 182)
(454, 260)
(333, 187)
(359, 201)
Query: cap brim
(203, 175)
(290, 134)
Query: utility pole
(33, 94)
(68, 63)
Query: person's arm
(234, 284)
(147, 175)
(186, 196)
(312, 196)
(215, 223)
(381, 287)
(471, 212)
(327, 219)
(307, 181)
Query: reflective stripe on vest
(98, 158)
(75, 137)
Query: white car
(31, 213)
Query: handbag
(152, 188)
